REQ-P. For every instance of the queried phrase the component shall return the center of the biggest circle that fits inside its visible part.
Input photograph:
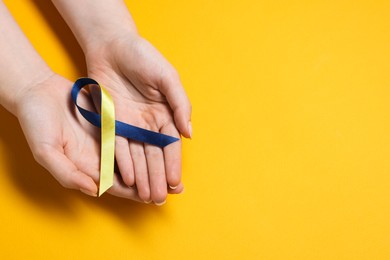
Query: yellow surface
(291, 151)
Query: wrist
(96, 23)
(16, 90)
(105, 42)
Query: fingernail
(161, 203)
(190, 129)
(172, 187)
(147, 201)
(90, 193)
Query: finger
(120, 189)
(140, 170)
(64, 170)
(124, 160)
(172, 157)
(178, 190)
(172, 88)
(156, 169)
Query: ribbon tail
(107, 142)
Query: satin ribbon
(111, 127)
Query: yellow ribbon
(107, 141)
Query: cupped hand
(60, 139)
(147, 92)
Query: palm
(132, 76)
(48, 123)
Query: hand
(61, 140)
(147, 93)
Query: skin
(145, 87)
(139, 101)
(146, 90)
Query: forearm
(20, 65)
(95, 23)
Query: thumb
(177, 98)
(64, 170)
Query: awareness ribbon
(111, 127)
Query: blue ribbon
(122, 129)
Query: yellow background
(291, 151)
